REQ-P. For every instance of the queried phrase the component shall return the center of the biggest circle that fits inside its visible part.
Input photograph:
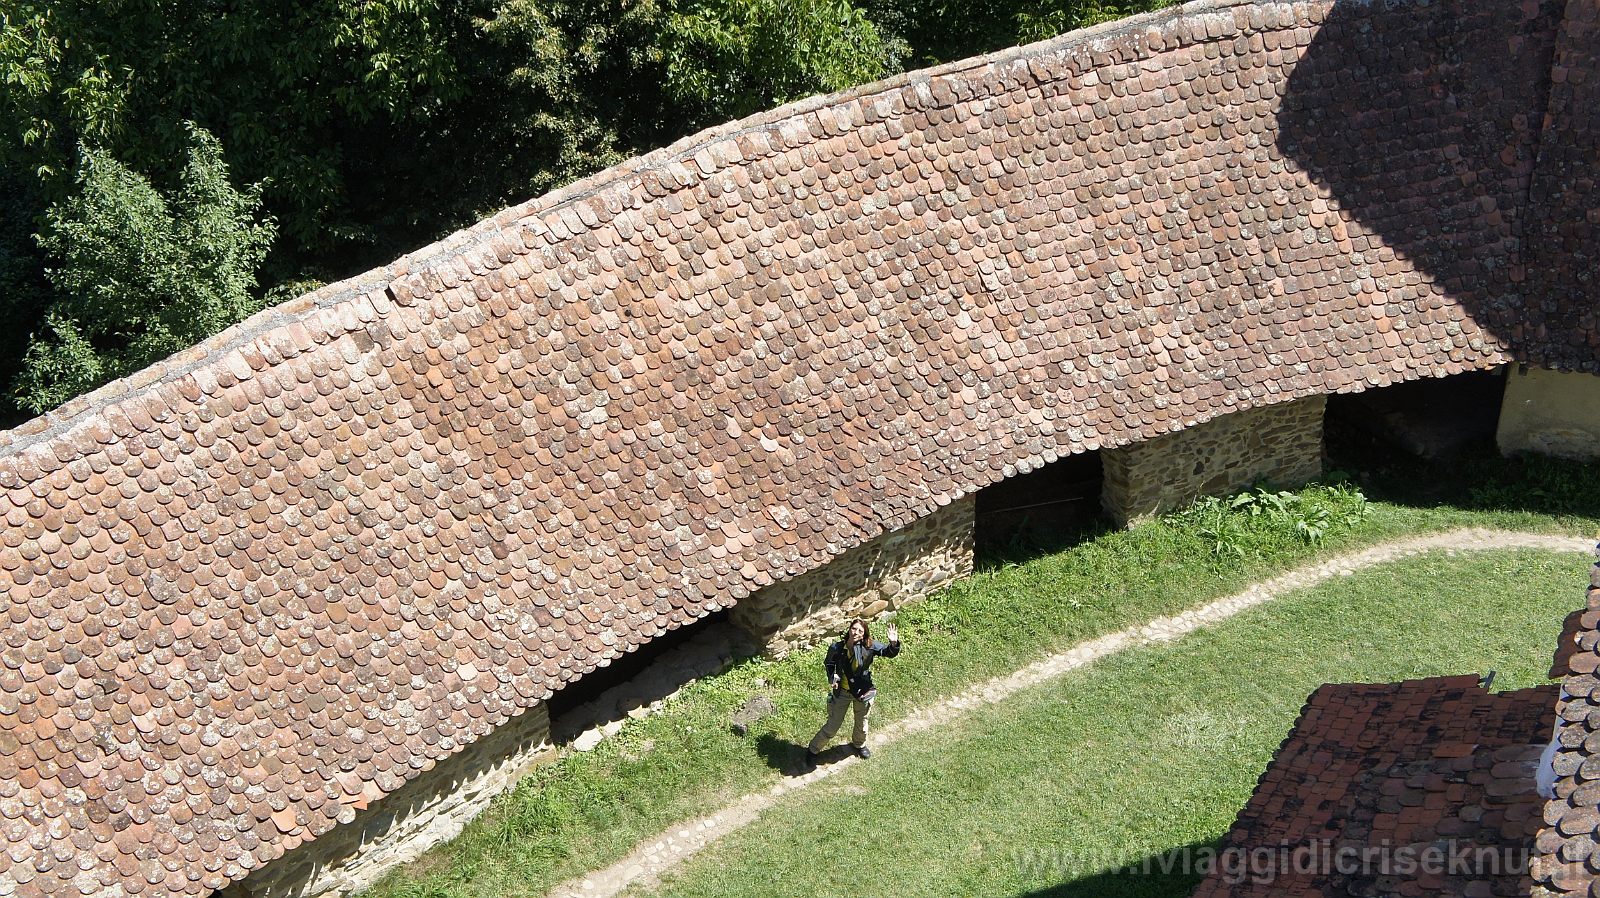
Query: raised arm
(893, 648)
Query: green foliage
(945, 30)
(582, 86)
(1258, 521)
(741, 56)
(1534, 483)
(141, 276)
(281, 82)
(381, 124)
(58, 365)
(1052, 17)
(55, 90)
(1517, 490)
(374, 126)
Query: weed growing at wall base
(1260, 520)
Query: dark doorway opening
(1061, 496)
(1435, 417)
(623, 669)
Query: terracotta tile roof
(1567, 860)
(1562, 266)
(1437, 762)
(270, 579)
(1426, 128)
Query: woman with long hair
(849, 666)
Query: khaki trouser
(837, 703)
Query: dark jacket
(841, 666)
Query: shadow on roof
(1427, 130)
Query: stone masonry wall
(1281, 443)
(894, 570)
(397, 829)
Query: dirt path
(653, 856)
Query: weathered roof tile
(1436, 764)
(445, 489)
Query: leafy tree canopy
(140, 276)
(737, 57)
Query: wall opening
(1059, 497)
(626, 668)
(1435, 417)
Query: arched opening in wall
(1431, 418)
(640, 680)
(1039, 507)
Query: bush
(141, 275)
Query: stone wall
(894, 570)
(1551, 413)
(1281, 443)
(398, 828)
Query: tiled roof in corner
(279, 574)
(1567, 861)
(1396, 769)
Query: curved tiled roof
(277, 575)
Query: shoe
(810, 762)
(864, 752)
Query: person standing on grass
(849, 666)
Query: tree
(293, 88)
(737, 57)
(376, 126)
(140, 276)
(939, 31)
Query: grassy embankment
(1053, 591)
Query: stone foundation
(893, 570)
(1279, 443)
(1550, 413)
(398, 828)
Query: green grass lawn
(590, 809)
(1152, 749)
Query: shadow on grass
(1473, 476)
(1026, 542)
(1171, 874)
(1476, 478)
(788, 758)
